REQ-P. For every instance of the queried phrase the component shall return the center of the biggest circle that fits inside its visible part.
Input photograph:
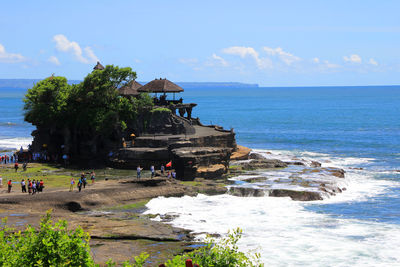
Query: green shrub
(161, 110)
(52, 245)
(224, 253)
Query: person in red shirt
(9, 186)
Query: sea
(354, 128)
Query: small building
(98, 66)
(130, 89)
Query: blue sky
(272, 43)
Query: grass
(190, 183)
(131, 206)
(55, 176)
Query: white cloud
(220, 60)
(64, 45)
(188, 61)
(243, 52)
(353, 58)
(286, 57)
(54, 60)
(6, 57)
(316, 60)
(329, 65)
(373, 62)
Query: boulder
(256, 156)
(295, 195)
(315, 164)
(336, 172)
(262, 164)
(246, 191)
(241, 153)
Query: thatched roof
(130, 89)
(160, 86)
(98, 66)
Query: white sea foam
(15, 143)
(285, 232)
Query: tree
(46, 102)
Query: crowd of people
(169, 174)
(34, 186)
(5, 158)
(82, 182)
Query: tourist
(138, 170)
(23, 186)
(41, 185)
(38, 186)
(173, 174)
(1, 182)
(33, 187)
(9, 186)
(152, 171)
(80, 184)
(83, 179)
(16, 166)
(92, 177)
(72, 183)
(168, 175)
(29, 186)
(162, 169)
(24, 166)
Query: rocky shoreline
(112, 210)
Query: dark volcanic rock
(295, 195)
(315, 164)
(295, 163)
(336, 172)
(246, 192)
(262, 164)
(256, 156)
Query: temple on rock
(196, 150)
(167, 132)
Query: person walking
(152, 171)
(16, 166)
(92, 177)
(162, 169)
(23, 186)
(29, 186)
(83, 179)
(80, 185)
(9, 186)
(138, 171)
(33, 187)
(72, 183)
(41, 185)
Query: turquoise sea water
(350, 127)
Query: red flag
(169, 164)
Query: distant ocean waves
(14, 143)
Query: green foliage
(139, 261)
(160, 110)
(46, 101)
(225, 253)
(93, 106)
(52, 245)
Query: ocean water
(346, 127)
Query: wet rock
(246, 192)
(295, 163)
(262, 164)
(256, 156)
(315, 164)
(295, 195)
(336, 172)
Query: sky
(271, 43)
